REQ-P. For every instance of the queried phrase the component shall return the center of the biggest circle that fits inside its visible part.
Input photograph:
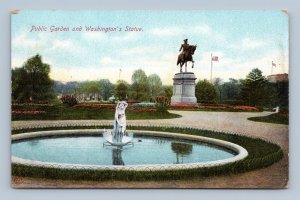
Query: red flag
(215, 58)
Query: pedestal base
(184, 89)
(109, 139)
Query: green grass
(273, 118)
(261, 154)
(63, 112)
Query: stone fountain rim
(241, 152)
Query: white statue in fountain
(118, 136)
(120, 121)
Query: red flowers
(113, 106)
(214, 107)
(183, 105)
(29, 103)
(96, 105)
(27, 112)
(245, 108)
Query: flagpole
(211, 65)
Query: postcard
(149, 99)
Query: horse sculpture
(184, 57)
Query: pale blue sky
(242, 39)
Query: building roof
(278, 77)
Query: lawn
(275, 118)
(64, 112)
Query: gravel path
(275, 176)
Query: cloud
(251, 44)
(77, 73)
(167, 31)
(109, 37)
(139, 50)
(175, 31)
(108, 61)
(94, 36)
(229, 67)
(62, 45)
(201, 29)
(125, 37)
(22, 41)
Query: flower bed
(214, 107)
(14, 102)
(245, 108)
(28, 112)
(183, 105)
(113, 106)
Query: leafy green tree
(32, 82)
(88, 87)
(167, 91)
(218, 83)
(106, 88)
(206, 92)
(121, 90)
(254, 88)
(231, 89)
(139, 88)
(278, 93)
(155, 85)
(61, 88)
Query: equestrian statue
(186, 54)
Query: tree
(139, 87)
(155, 85)
(278, 93)
(31, 81)
(88, 90)
(167, 91)
(64, 88)
(88, 87)
(121, 90)
(205, 92)
(232, 89)
(20, 84)
(254, 88)
(106, 88)
(218, 83)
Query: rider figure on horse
(185, 49)
(186, 55)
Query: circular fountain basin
(84, 149)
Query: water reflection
(117, 156)
(181, 150)
(160, 141)
(33, 142)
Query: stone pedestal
(184, 89)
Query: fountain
(153, 150)
(118, 136)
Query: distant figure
(120, 121)
(277, 109)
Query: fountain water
(118, 136)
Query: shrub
(162, 103)
(69, 100)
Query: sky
(242, 40)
